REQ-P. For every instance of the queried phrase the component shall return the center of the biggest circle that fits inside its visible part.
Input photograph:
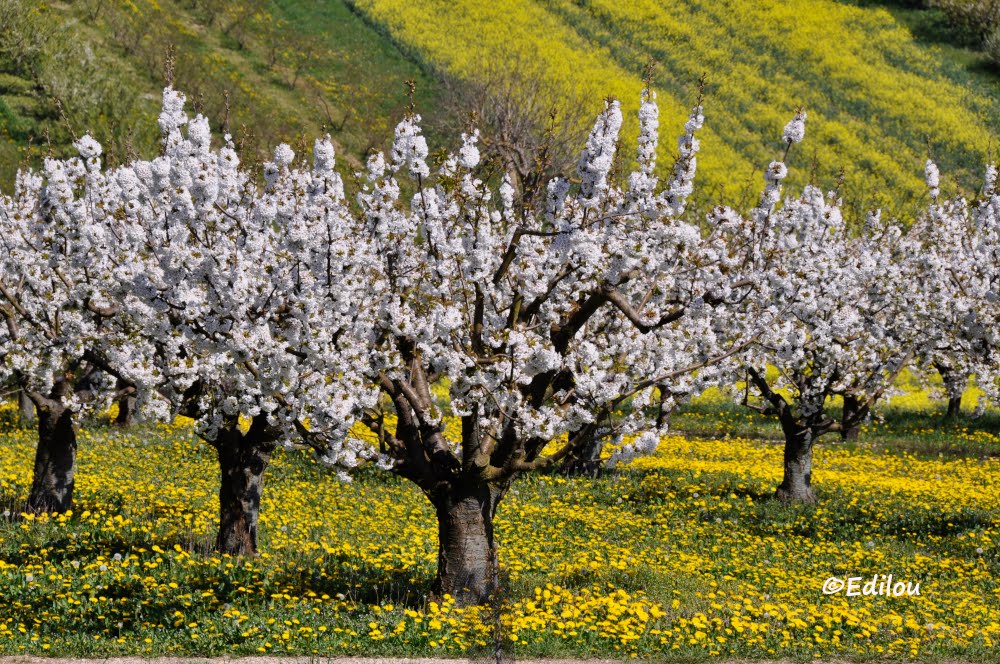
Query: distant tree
(528, 128)
(850, 332)
(961, 251)
(855, 315)
(300, 53)
(974, 19)
(239, 16)
(26, 30)
(991, 46)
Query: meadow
(680, 556)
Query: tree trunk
(853, 415)
(25, 410)
(242, 461)
(55, 459)
(126, 407)
(585, 461)
(954, 385)
(797, 481)
(468, 568)
(954, 408)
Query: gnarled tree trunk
(954, 385)
(468, 567)
(242, 461)
(55, 460)
(850, 421)
(954, 408)
(796, 485)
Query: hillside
(291, 68)
(882, 91)
(877, 96)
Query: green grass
(362, 71)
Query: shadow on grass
(354, 580)
(772, 518)
(928, 25)
(652, 486)
(924, 433)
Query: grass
(361, 72)
(682, 556)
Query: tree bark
(242, 461)
(126, 407)
(55, 460)
(468, 567)
(954, 385)
(586, 460)
(954, 408)
(796, 486)
(25, 410)
(853, 415)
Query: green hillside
(290, 69)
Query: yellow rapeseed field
(681, 555)
(877, 99)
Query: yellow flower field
(877, 99)
(680, 556)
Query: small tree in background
(961, 285)
(522, 133)
(855, 317)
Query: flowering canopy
(56, 283)
(249, 297)
(543, 323)
(853, 313)
(962, 275)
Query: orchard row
(562, 316)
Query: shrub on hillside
(977, 20)
(992, 47)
